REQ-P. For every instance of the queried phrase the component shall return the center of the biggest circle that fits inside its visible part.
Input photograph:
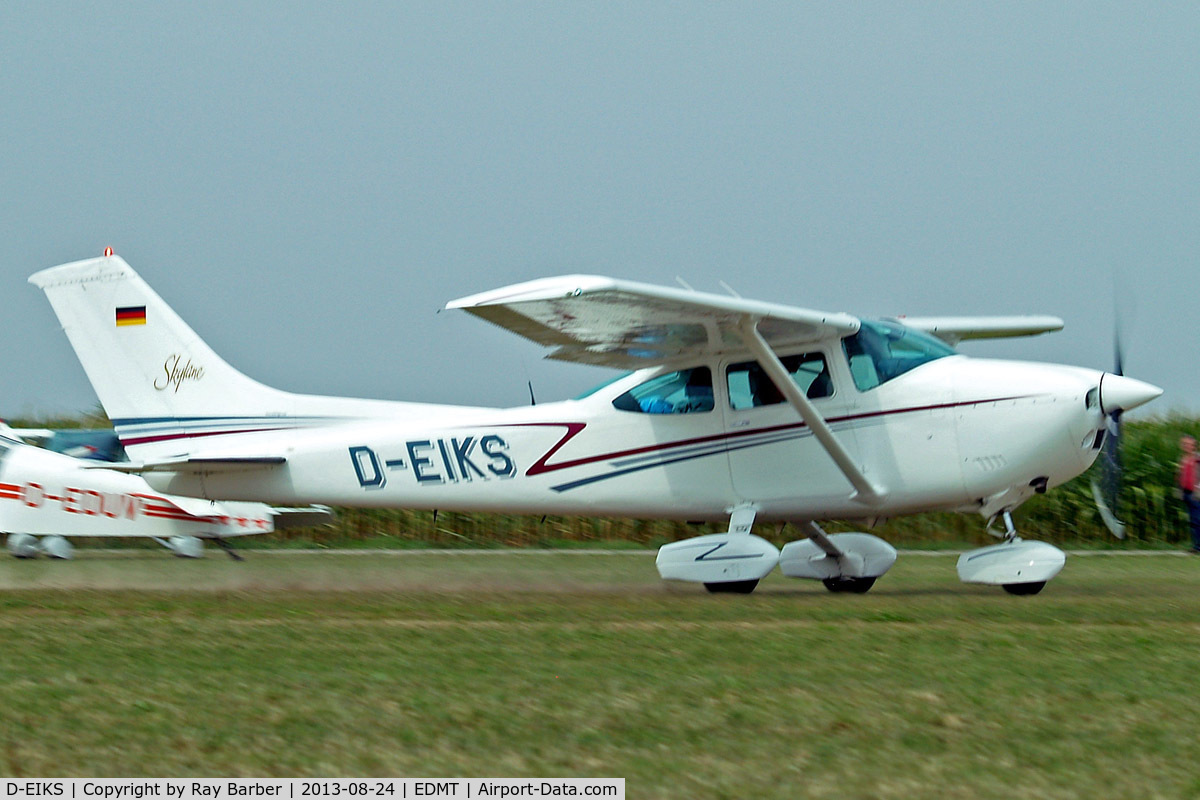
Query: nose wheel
(731, 587)
(1010, 537)
(1019, 567)
(1023, 588)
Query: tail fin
(142, 359)
(157, 380)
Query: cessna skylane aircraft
(44, 495)
(735, 409)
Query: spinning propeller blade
(1106, 488)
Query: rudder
(141, 358)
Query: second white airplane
(47, 497)
(735, 409)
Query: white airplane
(44, 495)
(736, 409)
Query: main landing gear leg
(844, 562)
(228, 548)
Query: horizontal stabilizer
(241, 518)
(36, 434)
(196, 464)
(305, 517)
(953, 330)
(196, 506)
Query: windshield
(881, 351)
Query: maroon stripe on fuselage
(573, 428)
(200, 434)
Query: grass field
(529, 664)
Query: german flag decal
(131, 315)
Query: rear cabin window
(686, 391)
(750, 386)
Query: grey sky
(307, 183)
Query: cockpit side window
(881, 351)
(686, 391)
(750, 386)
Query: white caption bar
(298, 789)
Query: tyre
(851, 585)
(732, 587)
(1024, 588)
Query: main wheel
(1024, 588)
(852, 585)
(732, 587)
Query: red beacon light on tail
(108, 251)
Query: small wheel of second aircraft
(1024, 588)
(732, 587)
(852, 585)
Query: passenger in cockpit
(698, 393)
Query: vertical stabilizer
(160, 384)
(141, 358)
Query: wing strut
(864, 490)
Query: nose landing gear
(1017, 566)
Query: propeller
(1106, 487)
(1118, 394)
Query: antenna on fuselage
(684, 283)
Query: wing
(614, 323)
(953, 330)
(629, 325)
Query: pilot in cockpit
(698, 392)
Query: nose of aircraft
(1118, 393)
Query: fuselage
(954, 433)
